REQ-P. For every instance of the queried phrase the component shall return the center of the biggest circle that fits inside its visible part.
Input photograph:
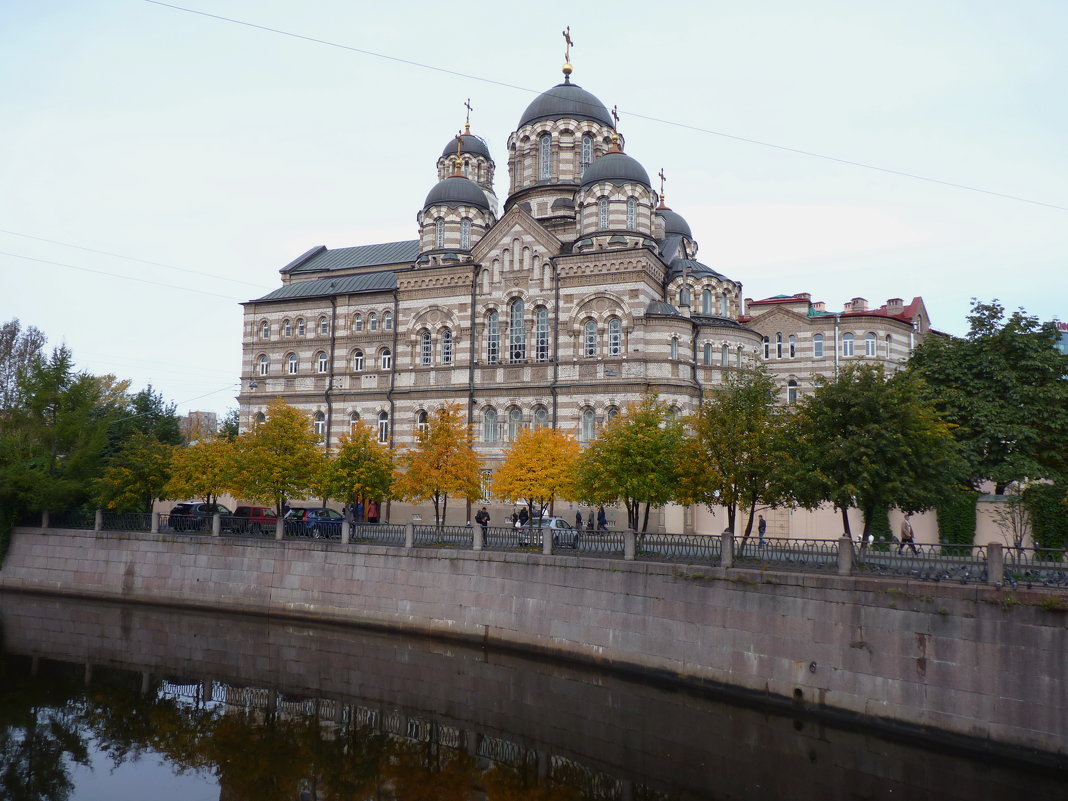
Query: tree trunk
(645, 523)
(845, 522)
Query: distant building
(198, 425)
(1062, 343)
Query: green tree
(203, 469)
(18, 349)
(147, 413)
(1005, 387)
(135, 475)
(230, 426)
(442, 463)
(361, 469)
(633, 460)
(869, 441)
(730, 456)
(279, 459)
(539, 466)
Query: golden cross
(467, 105)
(662, 179)
(567, 47)
(615, 116)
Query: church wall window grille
(602, 214)
(383, 427)
(889, 343)
(265, 365)
(778, 346)
(386, 359)
(319, 422)
(541, 417)
(515, 422)
(300, 326)
(517, 332)
(446, 346)
(847, 344)
(586, 158)
(674, 348)
(320, 362)
(357, 323)
(611, 414)
(324, 326)
(791, 391)
(426, 351)
(632, 214)
(615, 337)
(493, 338)
(869, 344)
(354, 420)
(684, 296)
(587, 425)
(287, 327)
(439, 233)
(767, 347)
(706, 301)
(489, 425)
(387, 321)
(724, 309)
(589, 338)
(292, 363)
(792, 342)
(357, 361)
(708, 353)
(422, 423)
(265, 330)
(545, 157)
(817, 346)
(372, 322)
(465, 234)
(541, 334)
(724, 356)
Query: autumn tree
(19, 347)
(442, 463)
(361, 469)
(633, 460)
(730, 455)
(280, 458)
(539, 466)
(872, 442)
(135, 475)
(203, 469)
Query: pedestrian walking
(907, 537)
(372, 512)
(762, 529)
(602, 520)
(483, 518)
(578, 519)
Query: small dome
(472, 146)
(691, 266)
(617, 167)
(674, 223)
(457, 191)
(566, 100)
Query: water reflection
(267, 710)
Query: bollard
(409, 535)
(845, 556)
(98, 521)
(346, 532)
(726, 549)
(995, 564)
(547, 542)
(630, 545)
(155, 524)
(279, 529)
(478, 541)
(44, 519)
(216, 524)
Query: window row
(710, 302)
(425, 354)
(708, 355)
(545, 155)
(372, 321)
(788, 348)
(299, 326)
(465, 233)
(321, 362)
(506, 428)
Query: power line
(650, 118)
(131, 258)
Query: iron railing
(77, 519)
(126, 521)
(787, 554)
(377, 533)
(1036, 567)
(964, 564)
(444, 536)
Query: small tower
(473, 160)
(455, 215)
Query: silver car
(563, 533)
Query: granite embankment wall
(969, 661)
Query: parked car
(315, 523)
(563, 533)
(197, 516)
(253, 519)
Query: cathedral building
(579, 294)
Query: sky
(159, 166)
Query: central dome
(617, 167)
(566, 100)
(456, 191)
(473, 146)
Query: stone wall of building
(966, 660)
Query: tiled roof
(384, 281)
(660, 307)
(321, 259)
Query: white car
(563, 533)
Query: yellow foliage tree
(362, 467)
(538, 467)
(442, 463)
(201, 470)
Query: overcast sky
(220, 151)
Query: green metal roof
(384, 281)
(320, 259)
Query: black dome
(473, 146)
(619, 168)
(674, 223)
(457, 191)
(566, 100)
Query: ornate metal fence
(701, 548)
(1036, 567)
(377, 533)
(126, 521)
(444, 536)
(965, 564)
(77, 519)
(787, 554)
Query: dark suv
(197, 516)
(253, 519)
(315, 523)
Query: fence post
(845, 556)
(98, 521)
(279, 529)
(630, 545)
(346, 532)
(154, 527)
(995, 563)
(478, 541)
(546, 541)
(409, 535)
(44, 519)
(726, 549)
(216, 524)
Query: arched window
(587, 425)
(586, 158)
(426, 348)
(706, 301)
(869, 344)
(287, 327)
(386, 359)
(724, 356)
(265, 364)
(439, 233)
(791, 391)
(489, 425)
(300, 326)
(354, 420)
(602, 214)
(387, 320)
(515, 420)
(320, 362)
(545, 157)
(739, 359)
(465, 234)
(517, 332)
(684, 296)
(372, 322)
(724, 305)
(446, 346)
(889, 344)
(847, 344)
(541, 334)
(357, 322)
(817, 346)
(767, 347)
(319, 424)
(632, 214)
(324, 326)
(615, 337)
(674, 347)
(778, 346)
(422, 422)
(357, 361)
(708, 353)
(265, 330)
(259, 418)
(493, 338)
(589, 338)
(611, 414)
(291, 363)
(792, 340)
(541, 417)
(383, 426)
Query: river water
(106, 701)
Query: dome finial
(467, 122)
(567, 53)
(663, 204)
(458, 172)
